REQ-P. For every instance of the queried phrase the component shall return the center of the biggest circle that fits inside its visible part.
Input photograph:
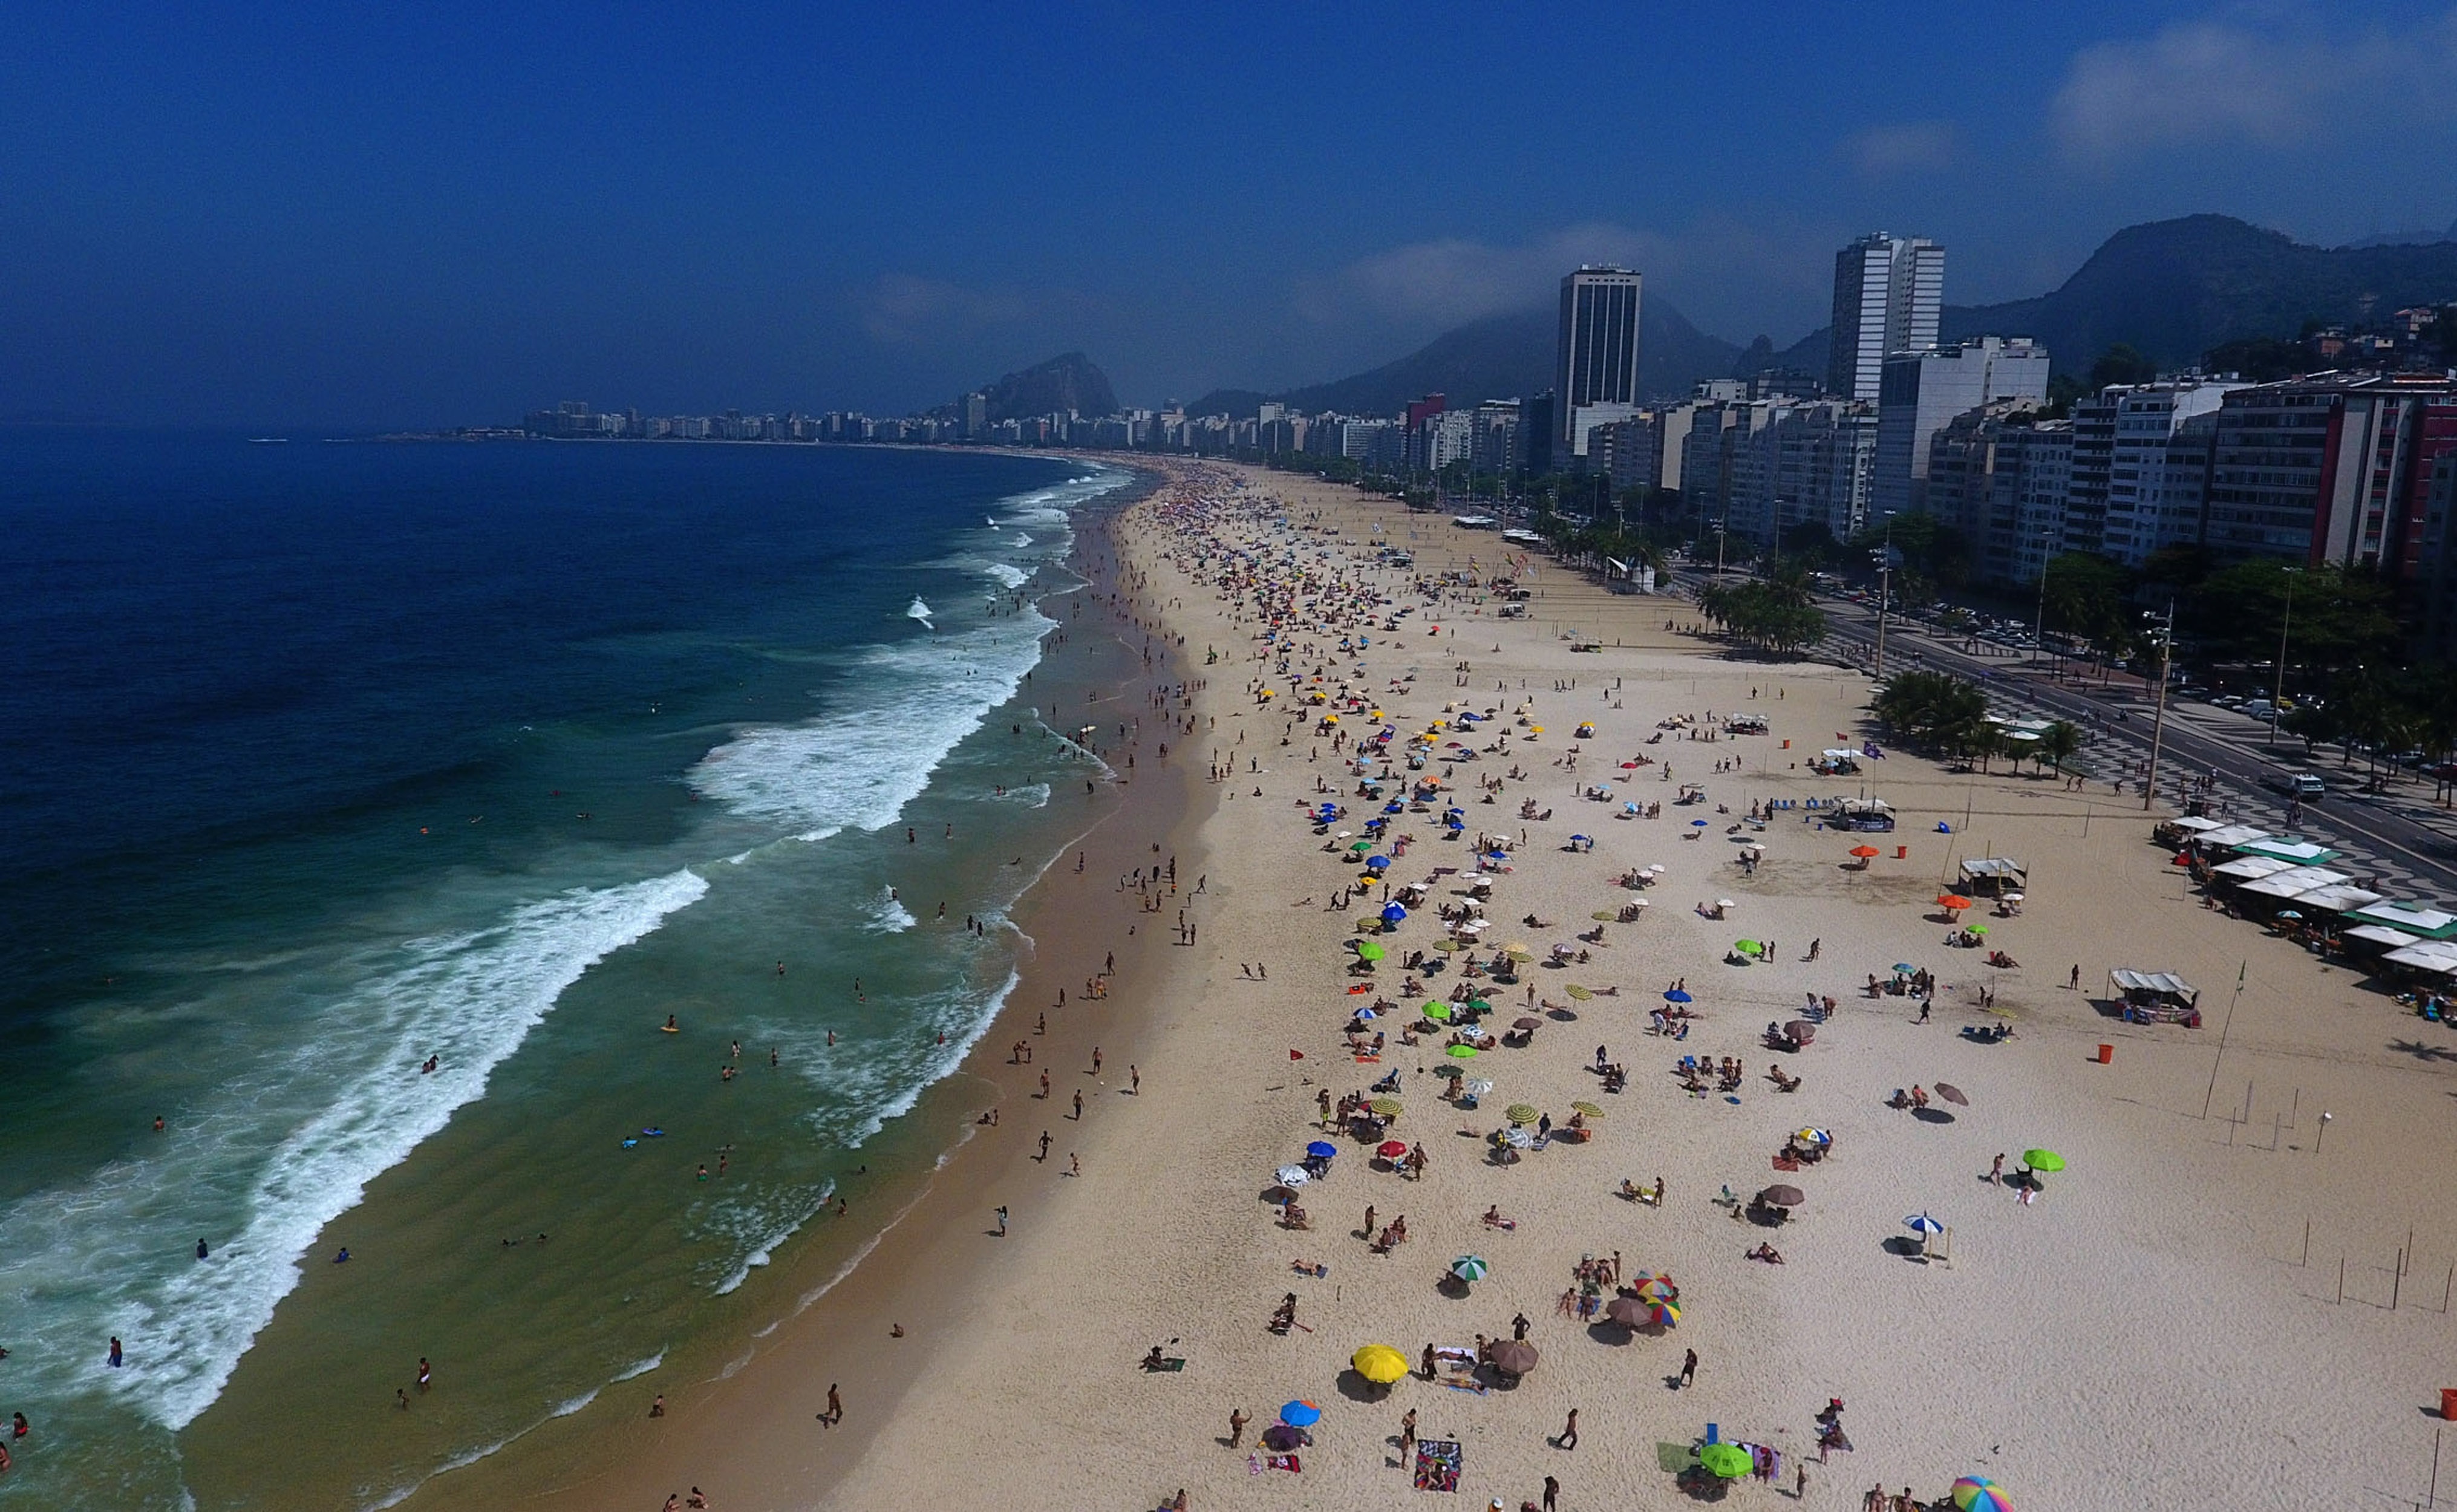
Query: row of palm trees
(1949, 715)
(1775, 612)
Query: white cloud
(1429, 285)
(1903, 147)
(2271, 80)
(904, 310)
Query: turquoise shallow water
(333, 759)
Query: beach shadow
(1356, 1388)
(2422, 1051)
(1562, 1015)
(1908, 1249)
(1605, 1330)
(1931, 1115)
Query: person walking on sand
(835, 1414)
(1552, 1494)
(1001, 1218)
(2072, 983)
(425, 1374)
(1237, 1421)
(1045, 1147)
(1997, 1169)
(1688, 1367)
(1407, 1437)
(1078, 1108)
(1569, 1435)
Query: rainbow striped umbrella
(1976, 1492)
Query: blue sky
(357, 216)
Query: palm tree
(2057, 744)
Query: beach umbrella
(1360, 845)
(1748, 947)
(1726, 902)
(1725, 1462)
(1374, 863)
(1904, 968)
(1603, 916)
(1583, 838)
(1379, 1364)
(1367, 950)
(1676, 995)
(1812, 1136)
(1281, 1438)
(1366, 1015)
(1461, 1052)
(1522, 1114)
(2043, 1160)
(1629, 766)
(1477, 1085)
(1385, 1107)
(1922, 1223)
(1392, 913)
(1452, 1072)
(1696, 824)
(1659, 868)
(1300, 1414)
(1976, 1492)
(1864, 851)
(1516, 952)
(1582, 994)
(1782, 1196)
(1975, 929)
(1447, 946)
(1662, 1314)
(1952, 1094)
(2289, 913)
(1439, 1012)
(1657, 1288)
(1392, 1149)
(1322, 1149)
(1470, 1268)
(1513, 1358)
(1293, 1175)
(1561, 951)
(1587, 1109)
(1518, 1139)
(1952, 902)
(1801, 1029)
(1630, 1311)
(1526, 1024)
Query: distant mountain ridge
(1505, 356)
(1069, 381)
(2172, 289)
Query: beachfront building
(1923, 390)
(1998, 474)
(2330, 468)
(1493, 445)
(1888, 294)
(2158, 465)
(1596, 366)
(1807, 463)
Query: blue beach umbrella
(1322, 1149)
(1696, 824)
(1676, 995)
(1376, 862)
(1922, 1223)
(1300, 1414)
(1392, 913)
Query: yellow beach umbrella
(1379, 1364)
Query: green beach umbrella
(1462, 1052)
(1368, 950)
(1470, 1268)
(1603, 916)
(1450, 947)
(1748, 947)
(1439, 1012)
(2043, 1160)
(1725, 1462)
(1522, 1114)
(1578, 992)
(1386, 1106)
(1362, 845)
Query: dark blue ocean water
(316, 760)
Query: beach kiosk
(2156, 997)
(1992, 876)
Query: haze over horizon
(432, 220)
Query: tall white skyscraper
(1888, 294)
(1596, 370)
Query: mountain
(2173, 289)
(2405, 239)
(1504, 355)
(1063, 383)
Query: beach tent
(2229, 836)
(2302, 852)
(2336, 899)
(2436, 958)
(2382, 937)
(2250, 869)
(2154, 986)
(2415, 919)
(2295, 882)
(1990, 876)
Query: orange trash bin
(2107, 1055)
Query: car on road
(2303, 786)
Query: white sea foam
(311, 1122)
(1007, 574)
(888, 915)
(859, 766)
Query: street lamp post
(2159, 719)
(2045, 536)
(1885, 591)
(2277, 698)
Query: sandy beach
(2163, 1323)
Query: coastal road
(2385, 838)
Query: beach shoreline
(732, 1399)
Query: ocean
(325, 763)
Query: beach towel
(1256, 1464)
(1438, 1461)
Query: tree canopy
(1772, 613)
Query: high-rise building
(2092, 465)
(2154, 499)
(1888, 292)
(1923, 390)
(1496, 436)
(1596, 367)
(2333, 467)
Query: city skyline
(355, 222)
